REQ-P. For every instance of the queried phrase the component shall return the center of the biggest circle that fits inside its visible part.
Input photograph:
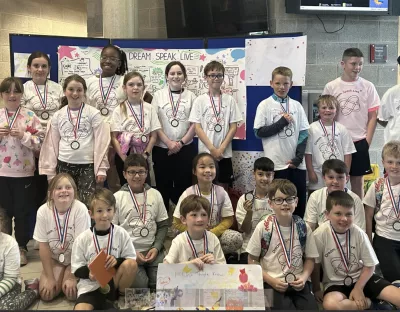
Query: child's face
(341, 218)
(136, 177)
(352, 66)
(281, 85)
(205, 170)
(109, 61)
(63, 193)
(11, 97)
(335, 181)
(175, 77)
(392, 166)
(327, 111)
(102, 214)
(39, 70)
(75, 93)
(279, 203)
(134, 89)
(263, 178)
(196, 220)
(214, 79)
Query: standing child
(335, 174)
(221, 210)
(284, 247)
(59, 222)
(20, 138)
(216, 115)
(141, 212)
(77, 141)
(134, 124)
(282, 125)
(358, 104)
(327, 139)
(120, 255)
(348, 261)
(382, 204)
(253, 206)
(196, 245)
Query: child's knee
(330, 304)
(129, 266)
(83, 306)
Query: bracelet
(147, 153)
(182, 142)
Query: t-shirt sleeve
(162, 211)
(195, 115)
(309, 141)
(373, 99)
(359, 214)
(82, 220)
(311, 213)
(235, 115)
(385, 112)
(347, 142)
(227, 208)
(78, 254)
(97, 120)
(240, 211)
(173, 253)
(311, 248)
(370, 197)
(317, 234)
(155, 122)
(368, 255)
(261, 117)
(128, 251)
(12, 259)
(254, 244)
(327, 90)
(116, 120)
(303, 125)
(39, 233)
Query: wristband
(147, 153)
(181, 142)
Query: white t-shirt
(203, 114)
(316, 207)
(319, 146)
(162, 104)
(31, 100)
(385, 217)
(281, 147)
(60, 122)
(46, 230)
(84, 251)
(9, 257)
(329, 256)
(180, 250)
(260, 209)
(274, 262)
(222, 208)
(127, 216)
(356, 99)
(95, 96)
(390, 111)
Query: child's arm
(359, 213)
(189, 134)
(316, 284)
(369, 215)
(347, 160)
(357, 294)
(229, 137)
(311, 213)
(158, 244)
(312, 176)
(11, 268)
(244, 214)
(300, 149)
(116, 145)
(204, 138)
(225, 224)
(32, 136)
(371, 125)
(152, 142)
(301, 280)
(45, 257)
(271, 130)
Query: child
(282, 125)
(335, 174)
(196, 245)
(358, 104)
(216, 115)
(20, 137)
(382, 204)
(327, 139)
(348, 261)
(59, 222)
(120, 255)
(141, 212)
(77, 141)
(253, 206)
(175, 148)
(221, 215)
(284, 247)
(134, 124)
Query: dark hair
(264, 164)
(197, 158)
(336, 165)
(7, 82)
(214, 65)
(38, 54)
(194, 203)
(104, 195)
(136, 160)
(74, 77)
(352, 52)
(173, 63)
(285, 186)
(123, 67)
(339, 198)
(283, 71)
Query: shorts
(96, 298)
(372, 288)
(225, 171)
(360, 163)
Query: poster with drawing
(216, 287)
(20, 65)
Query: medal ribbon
(13, 118)
(78, 119)
(193, 248)
(344, 257)
(43, 99)
(286, 111)
(216, 113)
(332, 142)
(142, 215)
(287, 253)
(109, 243)
(104, 96)
(396, 207)
(62, 233)
(175, 107)
(141, 122)
(197, 189)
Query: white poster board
(20, 65)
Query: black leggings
(388, 253)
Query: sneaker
(381, 305)
(120, 304)
(396, 283)
(32, 284)
(22, 255)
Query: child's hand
(91, 276)
(49, 289)
(151, 255)
(110, 262)
(69, 288)
(173, 147)
(312, 177)
(208, 258)
(4, 131)
(17, 133)
(216, 153)
(299, 283)
(197, 262)
(288, 117)
(319, 296)
(357, 295)
(248, 205)
(278, 285)
(100, 178)
(289, 162)
(140, 259)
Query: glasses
(133, 173)
(288, 200)
(219, 76)
(112, 59)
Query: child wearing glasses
(141, 212)
(215, 115)
(284, 247)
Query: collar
(280, 100)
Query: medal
(348, 281)
(193, 248)
(332, 156)
(288, 132)
(218, 128)
(396, 206)
(144, 231)
(62, 232)
(13, 118)
(45, 115)
(287, 253)
(61, 258)
(43, 100)
(175, 107)
(104, 96)
(104, 111)
(140, 123)
(249, 196)
(105, 290)
(290, 278)
(331, 142)
(217, 113)
(396, 226)
(345, 257)
(213, 196)
(143, 138)
(174, 123)
(75, 144)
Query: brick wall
(152, 19)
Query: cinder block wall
(152, 19)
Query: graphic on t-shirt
(297, 262)
(349, 105)
(67, 128)
(388, 213)
(329, 149)
(340, 270)
(212, 120)
(112, 102)
(51, 105)
(288, 130)
(55, 245)
(136, 223)
(180, 114)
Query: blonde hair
(328, 100)
(104, 195)
(391, 148)
(53, 185)
(282, 70)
